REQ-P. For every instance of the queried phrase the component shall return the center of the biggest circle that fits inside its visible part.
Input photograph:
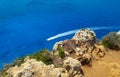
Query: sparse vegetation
(61, 52)
(83, 29)
(111, 41)
(4, 74)
(18, 61)
(44, 56)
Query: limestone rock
(86, 59)
(73, 67)
(55, 47)
(99, 51)
(85, 35)
(68, 46)
(82, 42)
(33, 68)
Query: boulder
(84, 36)
(73, 67)
(86, 59)
(99, 52)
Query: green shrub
(5, 74)
(111, 41)
(61, 52)
(83, 29)
(18, 61)
(44, 56)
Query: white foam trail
(62, 34)
(103, 28)
(118, 32)
(74, 31)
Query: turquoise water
(26, 24)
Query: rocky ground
(82, 57)
(107, 66)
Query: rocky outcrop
(85, 36)
(82, 44)
(82, 40)
(99, 52)
(73, 67)
(79, 51)
(55, 47)
(33, 68)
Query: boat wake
(74, 31)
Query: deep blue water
(26, 24)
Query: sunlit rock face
(73, 67)
(84, 35)
(33, 68)
(82, 44)
(85, 40)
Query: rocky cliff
(76, 57)
(79, 47)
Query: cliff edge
(81, 56)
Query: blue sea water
(26, 24)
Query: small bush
(111, 41)
(5, 74)
(44, 56)
(83, 29)
(61, 52)
(18, 61)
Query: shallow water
(26, 24)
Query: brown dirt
(108, 66)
